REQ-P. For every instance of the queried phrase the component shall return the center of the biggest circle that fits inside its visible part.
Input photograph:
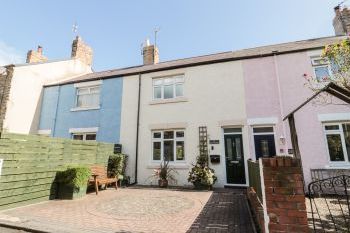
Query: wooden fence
(254, 178)
(31, 162)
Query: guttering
(137, 128)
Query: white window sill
(84, 109)
(179, 166)
(167, 101)
(340, 165)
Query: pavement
(136, 209)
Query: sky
(116, 29)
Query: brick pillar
(284, 193)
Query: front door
(235, 170)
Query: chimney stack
(150, 53)
(341, 21)
(82, 51)
(36, 56)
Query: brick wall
(150, 55)
(284, 192)
(257, 208)
(82, 51)
(5, 86)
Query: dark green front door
(235, 171)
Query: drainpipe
(137, 129)
(280, 102)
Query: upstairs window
(321, 68)
(88, 97)
(168, 88)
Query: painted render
(264, 100)
(59, 116)
(213, 97)
(24, 104)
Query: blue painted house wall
(57, 115)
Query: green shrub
(116, 165)
(74, 176)
(201, 175)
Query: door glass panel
(229, 148)
(263, 130)
(238, 149)
(331, 127)
(169, 150)
(233, 130)
(156, 150)
(335, 147)
(265, 148)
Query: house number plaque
(214, 141)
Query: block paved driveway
(137, 210)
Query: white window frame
(162, 85)
(316, 65)
(340, 132)
(161, 140)
(84, 135)
(89, 90)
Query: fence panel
(254, 177)
(31, 163)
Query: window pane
(322, 73)
(263, 130)
(157, 92)
(82, 91)
(95, 90)
(157, 82)
(78, 137)
(180, 134)
(331, 127)
(91, 137)
(346, 129)
(335, 147)
(169, 150)
(168, 92)
(233, 130)
(180, 150)
(95, 100)
(168, 81)
(157, 135)
(156, 150)
(179, 90)
(168, 134)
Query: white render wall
(23, 107)
(213, 97)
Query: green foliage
(201, 174)
(337, 56)
(116, 165)
(165, 172)
(75, 176)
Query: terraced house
(155, 109)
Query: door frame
(244, 154)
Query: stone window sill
(76, 109)
(167, 101)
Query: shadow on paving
(227, 210)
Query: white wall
(214, 97)
(23, 107)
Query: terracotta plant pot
(163, 183)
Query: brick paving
(226, 211)
(137, 210)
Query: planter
(163, 183)
(68, 192)
(200, 186)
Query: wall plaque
(214, 141)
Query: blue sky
(116, 29)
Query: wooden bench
(99, 176)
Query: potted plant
(201, 175)
(164, 174)
(72, 182)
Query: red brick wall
(285, 199)
(257, 208)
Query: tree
(337, 56)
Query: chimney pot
(36, 56)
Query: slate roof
(263, 51)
